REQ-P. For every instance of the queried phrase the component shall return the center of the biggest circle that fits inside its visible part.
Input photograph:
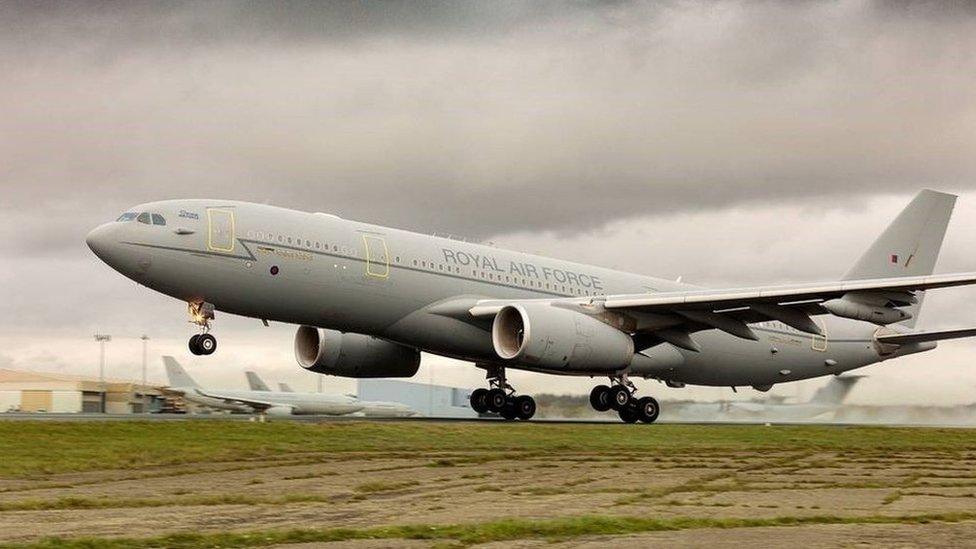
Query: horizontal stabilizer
(920, 337)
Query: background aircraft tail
(176, 374)
(285, 388)
(910, 245)
(255, 382)
(835, 391)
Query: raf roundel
(274, 270)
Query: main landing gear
(201, 314)
(500, 398)
(620, 397)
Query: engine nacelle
(353, 355)
(554, 338)
(876, 314)
(279, 411)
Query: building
(22, 391)
(427, 400)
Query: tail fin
(255, 382)
(835, 391)
(285, 388)
(176, 374)
(910, 245)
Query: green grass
(32, 449)
(468, 534)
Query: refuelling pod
(353, 355)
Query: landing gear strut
(620, 397)
(500, 398)
(201, 313)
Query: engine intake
(554, 338)
(353, 355)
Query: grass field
(235, 484)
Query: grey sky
(713, 140)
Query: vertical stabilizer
(177, 376)
(255, 382)
(285, 388)
(835, 391)
(910, 245)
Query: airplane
(370, 408)
(824, 402)
(261, 401)
(368, 299)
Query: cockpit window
(158, 219)
(127, 216)
(144, 218)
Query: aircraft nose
(100, 240)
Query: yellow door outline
(218, 215)
(377, 256)
(819, 343)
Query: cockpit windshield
(142, 217)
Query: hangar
(427, 400)
(23, 391)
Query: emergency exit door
(377, 256)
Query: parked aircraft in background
(264, 402)
(370, 408)
(369, 299)
(823, 405)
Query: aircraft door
(818, 342)
(220, 230)
(377, 256)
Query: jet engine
(279, 411)
(353, 355)
(553, 338)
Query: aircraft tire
(194, 348)
(629, 414)
(509, 411)
(618, 397)
(207, 344)
(599, 398)
(479, 401)
(495, 399)
(525, 407)
(648, 410)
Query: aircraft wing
(921, 337)
(258, 404)
(672, 316)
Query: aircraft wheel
(599, 398)
(525, 407)
(207, 344)
(509, 411)
(648, 409)
(619, 397)
(479, 401)
(193, 344)
(495, 399)
(629, 414)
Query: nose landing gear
(620, 397)
(201, 313)
(500, 398)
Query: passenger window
(144, 218)
(158, 219)
(127, 216)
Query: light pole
(145, 344)
(102, 339)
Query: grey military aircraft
(368, 299)
(824, 404)
(263, 401)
